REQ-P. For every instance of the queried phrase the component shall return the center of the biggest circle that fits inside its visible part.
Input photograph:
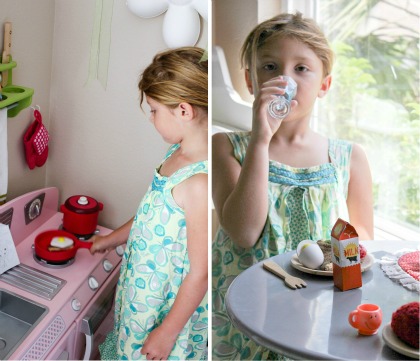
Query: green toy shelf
(14, 97)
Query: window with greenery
(374, 99)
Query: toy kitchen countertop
(312, 322)
(71, 300)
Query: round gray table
(312, 322)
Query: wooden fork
(289, 280)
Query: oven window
(97, 314)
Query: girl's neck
(194, 147)
(194, 142)
(298, 146)
(295, 131)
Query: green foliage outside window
(374, 99)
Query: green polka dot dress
(304, 203)
(153, 268)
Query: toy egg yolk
(304, 246)
(311, 256)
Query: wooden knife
(7, 46)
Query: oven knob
(119, 250)
(75, 304)
(93, 283)
(108, 266)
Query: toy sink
(18, 316)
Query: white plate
(392, 340)
(367, 263)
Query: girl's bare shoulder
(192, 191)
(359, 160)
(220, 140)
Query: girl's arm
(240, 194)
(193, 193)
(359, 199)
(112, 240)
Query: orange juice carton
(347, 272)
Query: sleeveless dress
(153, 268)
(304, 203)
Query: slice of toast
(326, 250)
(56, 249)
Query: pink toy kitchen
(73, 148)
(56, 298)
(53, 309)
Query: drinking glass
(279, 108)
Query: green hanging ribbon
(101, 42)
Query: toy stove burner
(50, 264)
(81, 237)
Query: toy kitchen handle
(93, 318)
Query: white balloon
(180, 2)
(181, 26)
(147, 8)
(202, 7)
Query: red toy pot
(81, 214)
(43, 242)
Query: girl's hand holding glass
(273, 93)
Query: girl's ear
(248, 80)
(185, 111)
(325, 86)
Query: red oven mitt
(35, 141)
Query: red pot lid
(82, 204)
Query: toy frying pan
(43, 246)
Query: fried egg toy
(61, 242)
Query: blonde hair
(287, 25)
(177, 76)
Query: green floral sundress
(153, 268)
(304, 203)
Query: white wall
(32, 27)
(102, 144)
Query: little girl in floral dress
(282, 182)
(161, 302)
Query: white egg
(310, 254)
